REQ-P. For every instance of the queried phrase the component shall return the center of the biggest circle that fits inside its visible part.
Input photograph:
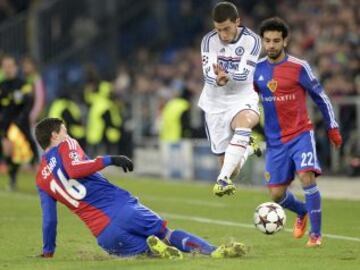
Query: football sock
(289, 201)
(313, 206)
(249, 151)
(188, 242)
(235, 151)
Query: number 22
(307, 159)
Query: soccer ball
(269, 218)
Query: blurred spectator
(33, 77)
(175, 119)
(68, 108)
(83, 31)
(104, 118)
(352, 154)
(16, 99)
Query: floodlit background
(128, 59)
(148, 52)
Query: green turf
(20, 231)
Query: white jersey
(239, 60)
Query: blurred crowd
(157, 67)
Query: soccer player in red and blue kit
(121, 225)
(283, 81)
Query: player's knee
(245, 119)
(307, 178)
(277, 195)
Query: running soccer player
(229, 56)
(120, 223)
(283, 82)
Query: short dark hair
(44, 129)
(223, 11)
(274, 24)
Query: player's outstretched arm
(77, 167)
(49, 224)
(318, 95)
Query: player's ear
(237, 21)
(54, 135)
(285, 42)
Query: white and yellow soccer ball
(269, 218)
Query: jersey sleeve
(309, 82)
(208, 57)
(75, 163)
(49, 221)
(246, 69)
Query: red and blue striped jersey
(67, 175)
(282, 88)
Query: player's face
(227, 30)
(274, 44)
(28, 66)
(9, 68)
(61, 136)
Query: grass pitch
(186, 205)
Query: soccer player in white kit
(229, 56)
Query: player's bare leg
(313, 206)
(286, 199)
(242, 124)
(277, 192)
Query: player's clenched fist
(221, 76)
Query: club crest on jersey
(267, 176)
(272, 85)
(239, 51)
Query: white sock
(248, 152)
(235, 152)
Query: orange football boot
(314, 241)
(300, 226)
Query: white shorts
(218, 126)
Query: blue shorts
(127, 232)
(297, 155)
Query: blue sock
(289, 201)
(313, 206)
(187, 242)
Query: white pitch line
(244, 225)
(194, 218)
